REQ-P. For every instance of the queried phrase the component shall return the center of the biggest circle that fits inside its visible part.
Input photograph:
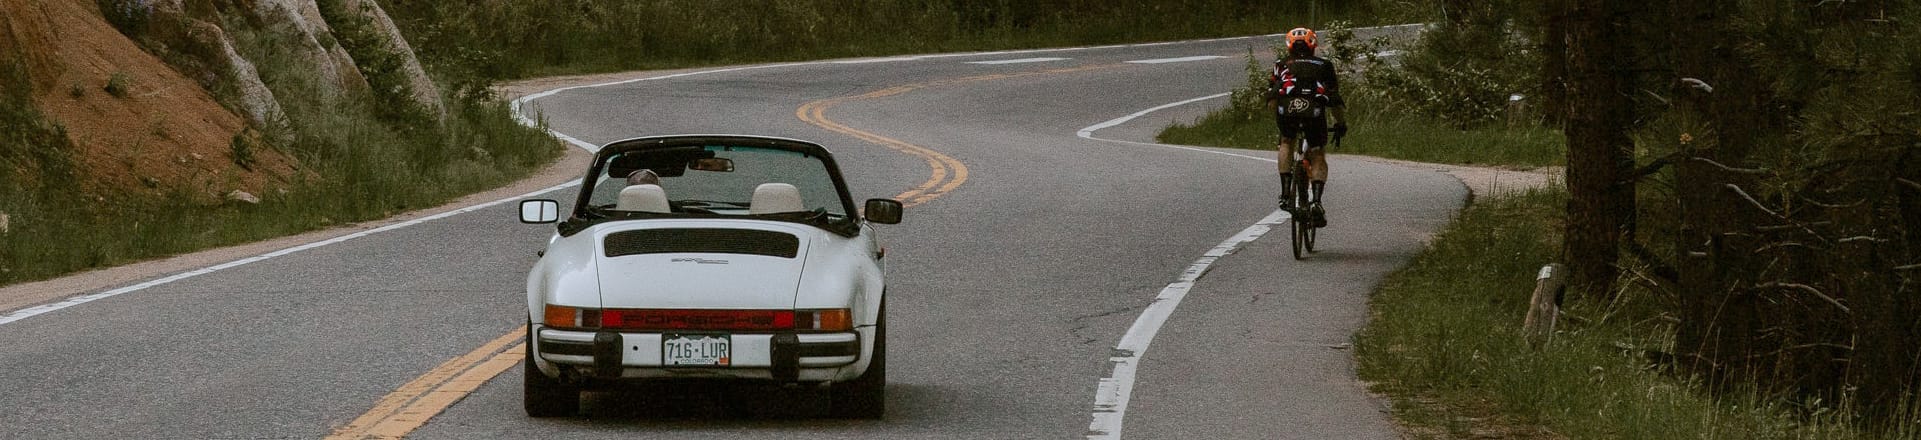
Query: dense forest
(1753, 163)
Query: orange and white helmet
(1302, 35)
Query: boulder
(243, 197)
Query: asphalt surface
(1008, 294)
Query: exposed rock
(425, 92)
(6, 223)
(243, 197)
(314, 38)
(205, 51)
(258, 101)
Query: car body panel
(699, 280)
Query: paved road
(1010, 293)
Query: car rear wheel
(865, 397)
(546, 396)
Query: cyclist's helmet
(1302, 35)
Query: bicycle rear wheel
(1303, 229)
(1308, 238)
(1301, 232)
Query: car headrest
(776, 197)
(643, 198)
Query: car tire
(546, 396)
(865, 397)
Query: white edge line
(1019, 61)
(1114, 391)
(1112, 394)
(1177, 60)
(1088, 133)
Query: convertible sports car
(746, 261)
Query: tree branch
(1757, 203)
(1784, 350)
(1811, 201)
(1806, 288)
(1778, 228)
(1653, 167)
(1725, 168)
(1662, 271)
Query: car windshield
(717, 179)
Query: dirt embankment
(137, 125)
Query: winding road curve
(1048, 244)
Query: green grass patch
(1445, 344)
(1387, 135)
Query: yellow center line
(400, 397)
(416, 414)
(945, 172)
(412, 405)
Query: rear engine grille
(702, 240)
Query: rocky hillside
(154, 96)
(131, 129)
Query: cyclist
(1303, 75)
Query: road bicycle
(1301, 211)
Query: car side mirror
(883, 211)
(540, 211)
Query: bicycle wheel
(1309, 241)
(1300, 228)
(1303, 230)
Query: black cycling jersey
(1310, 75)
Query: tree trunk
(1553, 39)
(1601, 199)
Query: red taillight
(679, 319)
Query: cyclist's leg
(1285, 156)
(1316, 132)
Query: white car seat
(772, 198)
(643, 198)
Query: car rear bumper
(782, 357)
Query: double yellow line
(409, 407)
(413, 404)
(946, 172)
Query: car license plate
(707, 350)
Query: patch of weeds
(119, 85)
(77, 91)
(243, 147)
(1445, 343)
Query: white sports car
(745, 262)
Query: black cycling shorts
(1314, 128)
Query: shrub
(118, 85)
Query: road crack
(1081, 322)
